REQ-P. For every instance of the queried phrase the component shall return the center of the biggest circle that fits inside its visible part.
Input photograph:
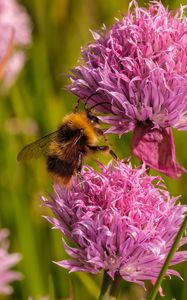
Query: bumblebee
(77, 136)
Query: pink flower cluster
(15, 34)
(139, 69)
(6, 262)
(120, 220)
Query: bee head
(89, 113)
(92, 118)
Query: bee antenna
(89, 97)
(77, 106)
(100, 103)
(86, 102)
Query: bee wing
(71, 152)
(37, 148)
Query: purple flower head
(15, 33)
(6, 262)
(118, 221)
(139, 69)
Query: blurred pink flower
(6, 262)
(139, 69)
(118, 221)
(15, 34)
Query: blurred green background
(34, 107)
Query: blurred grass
(33, 107)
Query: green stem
(110, 287)
(106, 285)
(115, 287)
(168, 259)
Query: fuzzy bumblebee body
(77, 136)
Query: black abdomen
(59, 167)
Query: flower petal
(155, 147)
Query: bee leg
(101, 133)
(103, 148)
(79, 162)
(113, 154)
(77, 106)
(98, 148)
(79, 167)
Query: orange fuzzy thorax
(80, 121)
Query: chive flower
(120, 220)
(15, 34)
(139, 70)
(7, 261)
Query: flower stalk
(168, 260)
(110, 287)
(114, 291)
(105, 288)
